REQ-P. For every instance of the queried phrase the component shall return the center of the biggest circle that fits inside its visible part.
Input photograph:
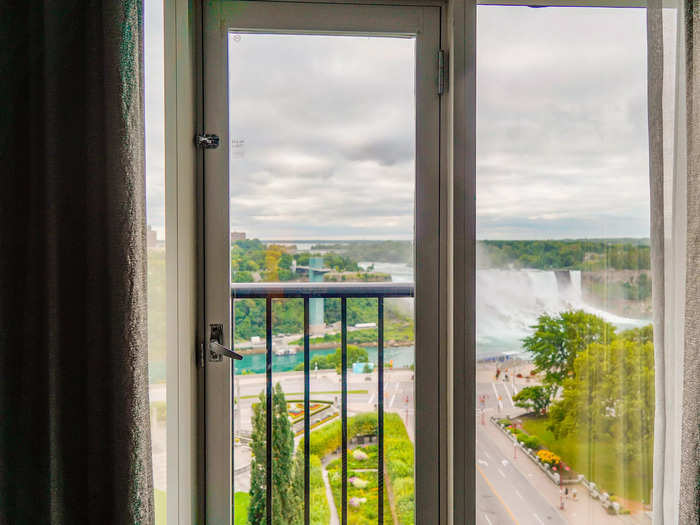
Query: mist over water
(508, 303)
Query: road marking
(495, 493)
(501, 472)
(519, 495)
(371, 399)
(538, 519)
(487, 519)
(482, 462)
(494, 390)
(393, 398)
(508, 395)
(504, 462)
(487, 454)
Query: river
(399, 356)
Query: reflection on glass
(155, 247)
(322, 190)
(565, 378)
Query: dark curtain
(74, 425)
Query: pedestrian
(574, 494)
(498, 373)
(566, 493)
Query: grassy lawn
(161, 504)
(241, 502)
(598, 461)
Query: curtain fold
(689, 508)
(673, 43)
(74, 424)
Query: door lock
(217, 350)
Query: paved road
(504, 494)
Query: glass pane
(322, 160)
(565, 378)
(155, 215)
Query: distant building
(237, 236)
(151, 237)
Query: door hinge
(206, 141)
(443, 70)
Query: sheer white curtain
(675, 210)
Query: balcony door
(322, 263)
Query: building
(237, 236)
(151, 237)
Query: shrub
(532, 442)
(504, 422)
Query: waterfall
(508, 303)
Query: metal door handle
(216, 349)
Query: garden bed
(398, 460)
(598, 461)
(549, 462)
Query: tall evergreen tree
(284, 502)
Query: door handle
(216, 349)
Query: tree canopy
(558, 339)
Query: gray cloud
(325, 129)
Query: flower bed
(553, 466)
(296, 409)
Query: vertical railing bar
(307, 418)
(344, 406)
(380, 410)
(268, 414)
(233, 409)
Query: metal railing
(325, 290)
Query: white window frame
(185, 501)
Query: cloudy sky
(322, 129)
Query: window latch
(216, 350)
(207, 141)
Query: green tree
(535, 398)
(610, 396)
(558, 339)
(285, 510)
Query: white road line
(482, 462)
(487, 454)
(393, 398)
(487, 519)
(538, 519)
(371, 399)
(519, 495)
(501, 473)
(494, 390)
(508, 395)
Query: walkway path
(329, 496)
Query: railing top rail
(291, 290)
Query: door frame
(431, 238)
(186, 333)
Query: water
(402, 357)
(400, 272)
(510, 301)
